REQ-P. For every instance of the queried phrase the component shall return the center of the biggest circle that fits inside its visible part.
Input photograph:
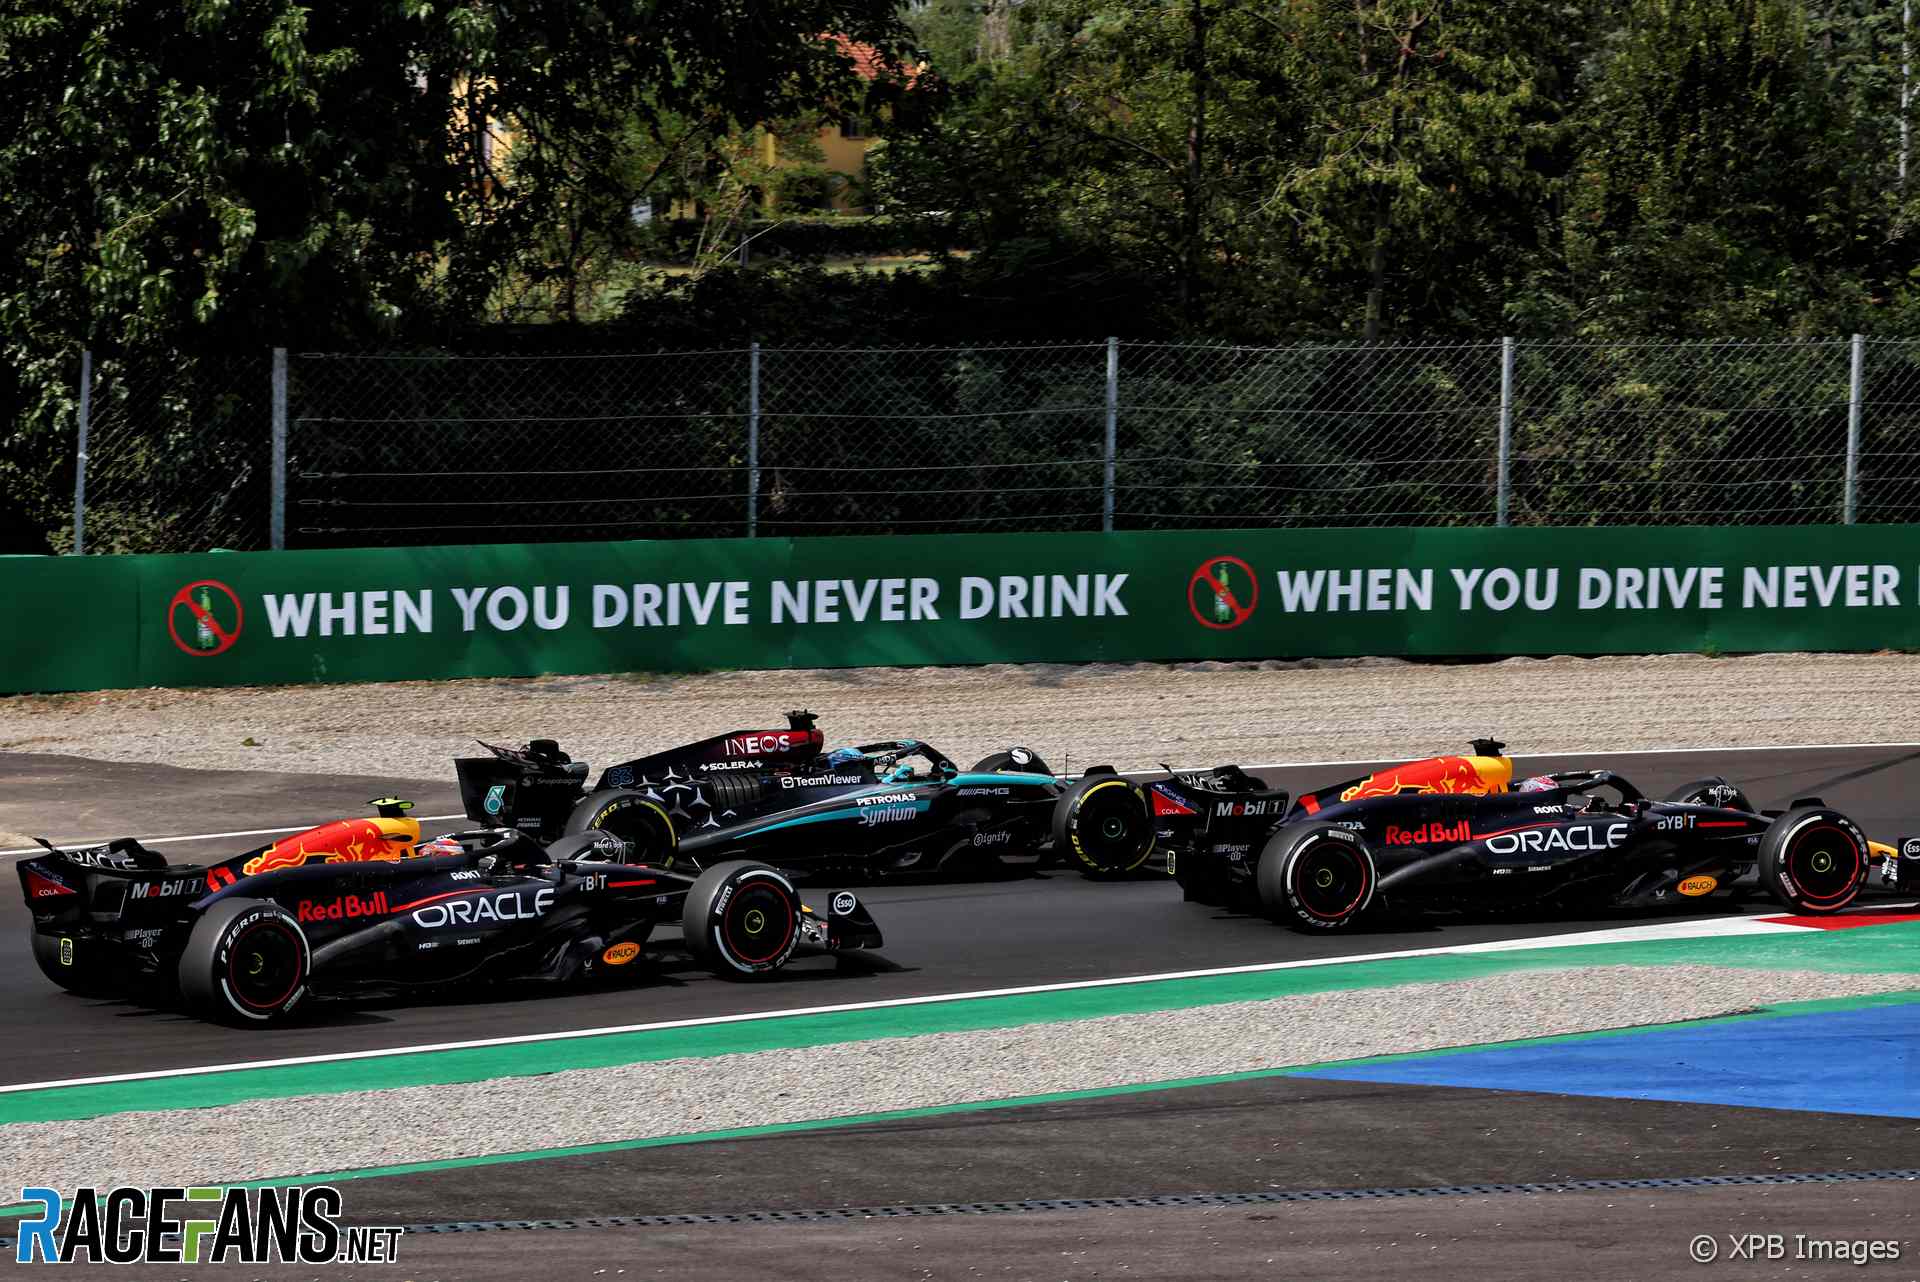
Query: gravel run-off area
(1130, 715)
(297, 1136)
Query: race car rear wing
(532, 789)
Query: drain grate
(1263, 1198)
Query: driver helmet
(1539, 783)
(843, 756)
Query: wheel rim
(1330, 880)
(638, 828)
(1110, 832)
(759, 923)
(265, 963)
(1824, 863)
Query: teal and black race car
(879, 809)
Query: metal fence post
(80, 456)
(1503, 481)
(1113, 423)
(1855, 383)
(277, 505)
(753, 440)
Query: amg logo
(888, 814)
(1581, 838)
(1432, 834)
(883, 799)
(752, 745)
(1237, 809)
(982, 792)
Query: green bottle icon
(1222, 612)
(203, 636)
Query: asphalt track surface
(946, 937)
(1258, 1136)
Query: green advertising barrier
(508, 610)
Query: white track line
(1271, 765)
(1719, 927)
(203, 836)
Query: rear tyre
(247, 962)
(1315, 877)
(77, 968)
(1101, 826)
(1023, 761)
(637, 820)
(742, 920)
(1814, 860)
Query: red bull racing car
(362, 908)
(1457, 833)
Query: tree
(184, 175)
(1729, 182)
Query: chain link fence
(424, 449)
(174, 456)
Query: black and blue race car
(1458, 833)
(362, 908)
(894, 807)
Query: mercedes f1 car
(882, 808)
(1455, 832)
(362, 909)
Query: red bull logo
(345, 908)
(1463, 776)
(1428, 834)
(343, 841)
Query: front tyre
(642, 823)
(247, 962)
(1102, 826)
(742, 920)
(1814, 860)
(1315, 877)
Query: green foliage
(190, 176)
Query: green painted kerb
(1893, 948)
(1777, 1011)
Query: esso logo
(844, 903)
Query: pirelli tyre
(247, 962)
(77, 966)
(1019, 761)
(1814, 860)
(742, 920)
(636, 819)
(1315, 877)
(1101, 825)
